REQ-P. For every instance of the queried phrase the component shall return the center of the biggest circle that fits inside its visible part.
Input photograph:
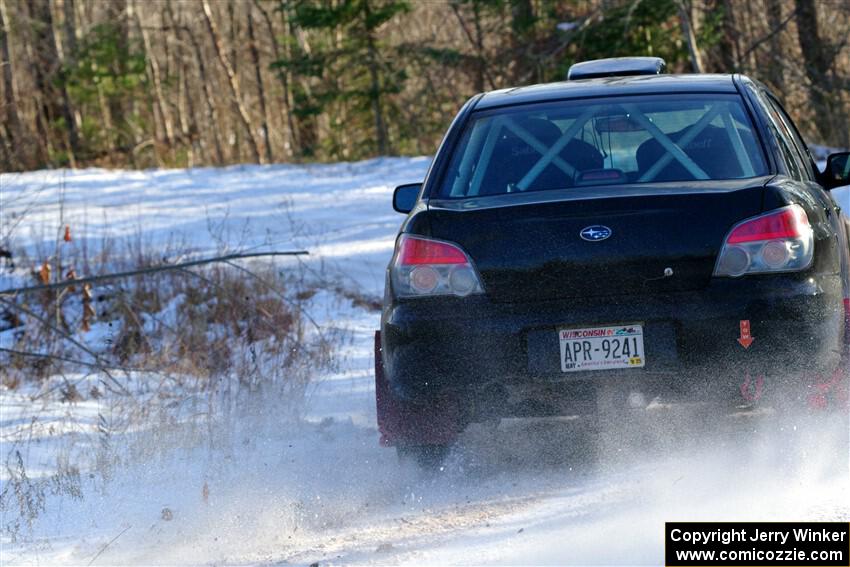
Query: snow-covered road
(322, 489)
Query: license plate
(602, 348)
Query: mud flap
(402, 423)
(831, 393)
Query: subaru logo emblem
(595, 233)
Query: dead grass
(176, 355)
(181, 322)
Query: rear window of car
(664, 138)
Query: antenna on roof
(617, 67)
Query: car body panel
(683, 232)
(430, 346)
(539, 276)
(610, 86)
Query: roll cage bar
(674, 149)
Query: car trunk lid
(529, 247)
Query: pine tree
(349, 68)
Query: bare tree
(686, 21)
(160, 103)
(233, 82)
(381, 137)
(184, 106)
(12, 122)
(776, 74)
(283, 76)
(261, 93)
(817, 65)
(131, 83)
(209, 102)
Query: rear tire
(426, 457)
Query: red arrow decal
(746, 338)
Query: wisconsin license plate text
(602, 348)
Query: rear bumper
(479, 350)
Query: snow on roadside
(341, 212)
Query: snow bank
(341, 212)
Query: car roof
(608, 86)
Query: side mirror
(837, 172)
(404, 197)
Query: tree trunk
(12, 121)
(816, 64)
(775, 69)
(106, 117)
(233, 82)
(283, 76)
(117, 14)
(184, 101)
(522, 24)
(156, 79)
(70, 27)
(234, 62)
(261, 93)
(209, 102)
(306, 123)
(381, 140)
(686, 22)
(746, 28)
(54, 63)
(728, 44)
(479, 48)
(477, 42)
(69, 20)
(41, 67)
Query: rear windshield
(603, 142)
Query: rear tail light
(424, 267)
(779, 241)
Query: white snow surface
(341, 212)
(320, 488)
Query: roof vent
(617, 67)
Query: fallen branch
(102, 549)
(68, 338)
(142, 271)
(47, 356)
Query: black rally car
(656, 236)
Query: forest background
(182, 83)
